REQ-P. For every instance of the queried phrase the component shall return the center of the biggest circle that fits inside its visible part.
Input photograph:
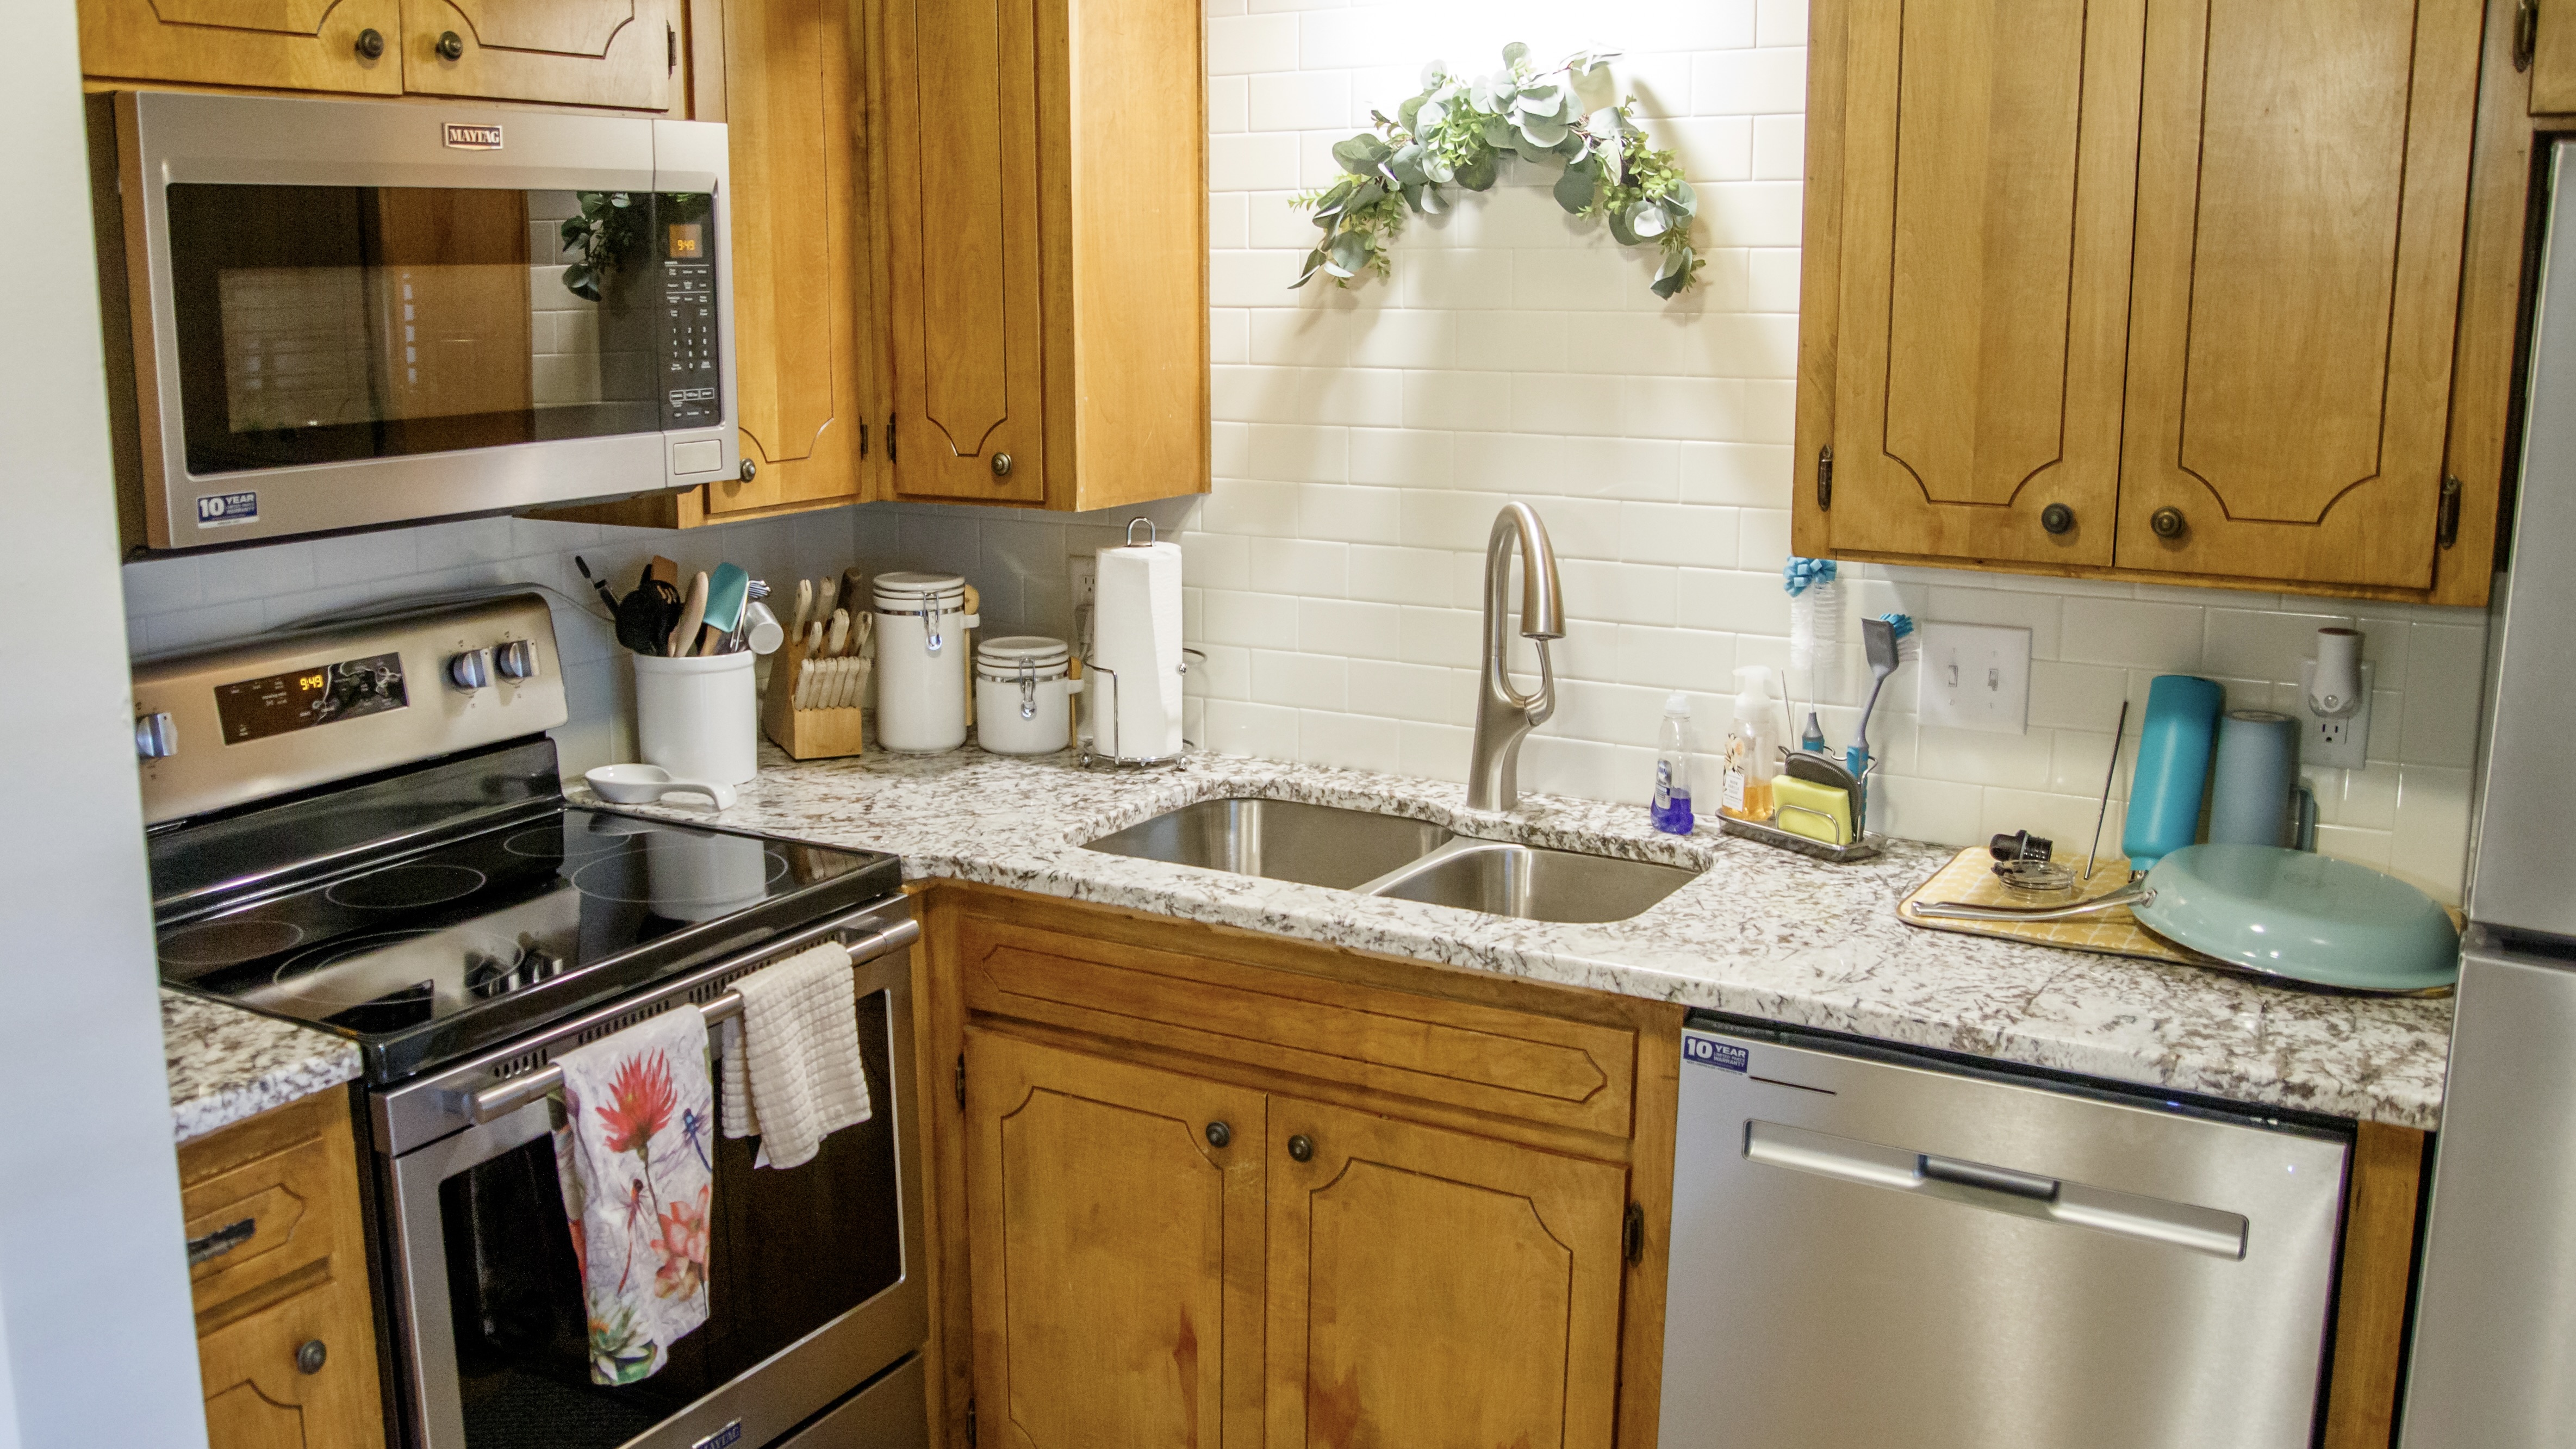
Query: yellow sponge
(1818, 812)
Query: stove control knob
(516, 659)
(470, 670)
(155, 737)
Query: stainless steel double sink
(1390, 856)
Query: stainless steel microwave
(347, 314)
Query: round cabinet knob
(2168, 523)
(468, 672)
(2057, 518)
(516, 659)
(749, 470)
(1302, 1147)
(451, 46)
(1001, 465)
(310, 1357)
(371, 43)
(1219, 1134)
(155, 738)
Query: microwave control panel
(690, 393)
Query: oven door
(815, 1280)
(346, 317)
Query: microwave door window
(334, 324)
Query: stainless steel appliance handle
(2129, 895)
(495, 1102)
(2003, 1189)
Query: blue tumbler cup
(2173, 765)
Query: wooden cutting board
(1970, 877)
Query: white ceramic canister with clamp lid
(921, 661)
(1024, 695)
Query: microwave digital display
(254, 709)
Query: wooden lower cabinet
(286, 1342)
(1117, 1243)
(1438, 1290)
(1219, 1189)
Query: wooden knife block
(808, 734)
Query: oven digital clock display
(254, 709)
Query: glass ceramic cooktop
(490, 918)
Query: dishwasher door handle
(1996, 1189)
(1992, 1179)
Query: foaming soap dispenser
(1752, 746)
(1671, 810)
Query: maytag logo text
(465, 137)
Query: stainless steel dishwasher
(1877, 1247)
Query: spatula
(728, 588)
(693, 612)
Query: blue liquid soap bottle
(1671, 811)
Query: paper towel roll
(1136, 634)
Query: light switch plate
(2333, 744)
(1975, 677)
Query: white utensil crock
(698, 717)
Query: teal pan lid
(2305, 916)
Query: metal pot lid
(2305, 916)
(913, 586)
(1018, 649)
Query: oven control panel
(239, 722)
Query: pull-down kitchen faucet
(1504, 714)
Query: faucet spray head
(1542, 609)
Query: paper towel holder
(1153, 535)
(1092, 756)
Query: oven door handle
(496, 1102)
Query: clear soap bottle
(1752, 747)
(1671, 810)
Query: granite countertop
(1763, 933)
(227, 1064)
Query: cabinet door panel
(1437, 1290)
(799, 366)
(281, 44)
(1988, 157)
(961, 168)
(573, 52)
(256, 1396)
(2553, 60)
(1117, 1251)
(2302, 191)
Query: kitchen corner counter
(227, 1064)
(1762, 933)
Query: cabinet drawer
(270, 1203)
(1483, 1058)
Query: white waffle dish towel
(792, 1071)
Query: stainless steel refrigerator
(2494, 1360)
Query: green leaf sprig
(1457, 131)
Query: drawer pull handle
(1302, 1147)
(310, 1357)
(1219, 1134)
(221, 1241)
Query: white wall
(1364, 439)
(93, 1271)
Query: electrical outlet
(1975, 677)
(2333, 744)
(1082, 583)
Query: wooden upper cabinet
(1047, 297)
(805, 369)
(1428, 1287)
(1989, 148)
(621, 53)
(2553, 57)
(310, 45)
(2302, 197)
(1117, 1243)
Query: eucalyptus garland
(1457, 131)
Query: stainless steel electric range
(360, 827)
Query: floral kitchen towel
(631, 1151)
